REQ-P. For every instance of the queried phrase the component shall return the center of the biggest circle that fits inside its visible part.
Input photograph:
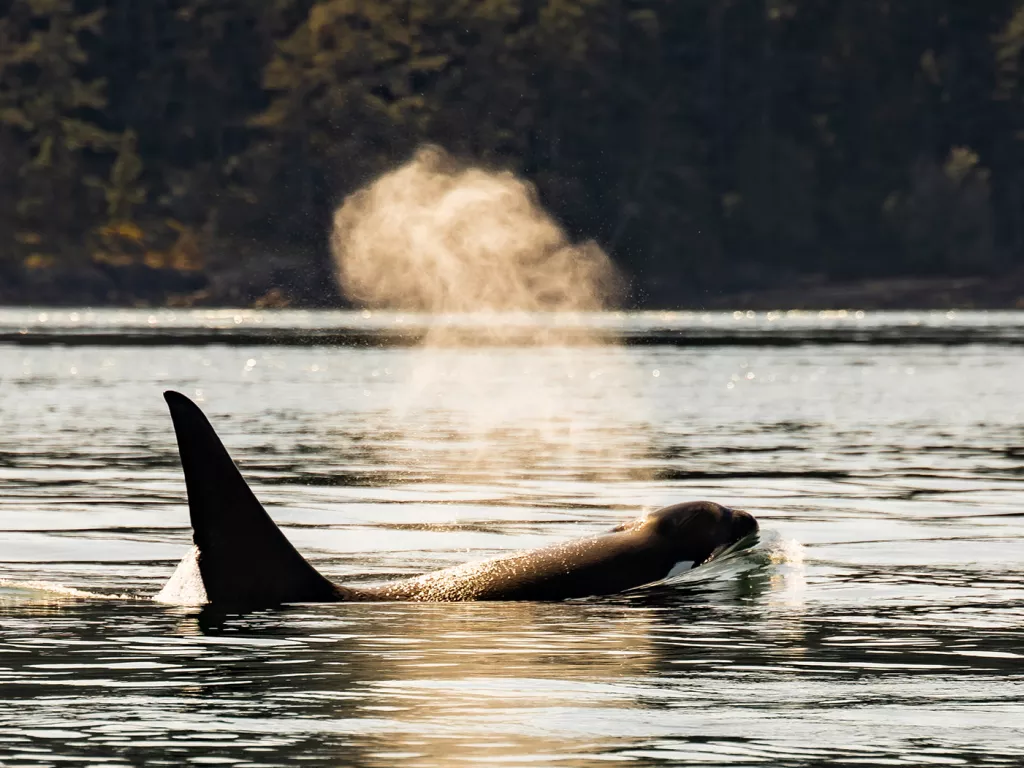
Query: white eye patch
(681, 567)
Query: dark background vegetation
(192, 151)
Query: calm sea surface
(879, 621)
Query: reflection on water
(878, 621)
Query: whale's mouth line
(724, 550)
(718, 553)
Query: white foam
(786, 552)
(185, 586)
(59, 590)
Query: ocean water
(879, 620)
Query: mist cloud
(438, 236)
(508, 391)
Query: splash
(789, 573)
(508, 365)
(785, 552)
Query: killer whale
(241, 559)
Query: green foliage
(123, 191)
(945, 219)
(46, 102)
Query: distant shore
(1005, 291)
(150, 327)
(298, 285)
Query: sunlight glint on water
(878, 620)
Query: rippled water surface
(878, 622)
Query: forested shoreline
(192, 151)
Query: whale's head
(695, 532)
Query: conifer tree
(49, 103)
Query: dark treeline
(193, 150)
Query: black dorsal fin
(244, 558)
